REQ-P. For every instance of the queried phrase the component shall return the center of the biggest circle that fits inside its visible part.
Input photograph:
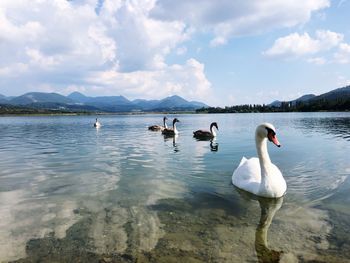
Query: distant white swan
(203, 134)
(158, 127)
(97, 124)
(173, 131)
(260, 176)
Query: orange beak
(273, 138)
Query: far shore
(16, 114)
(91, 113)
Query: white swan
(97, 124)
(260, 176)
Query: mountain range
(78, 101)
(331, 96)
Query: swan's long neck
(264, 158)
(174, 128)
(164, 124)
(212, 131)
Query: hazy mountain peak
(3, 99)
(78, 97)
(40, 97)
(175, 97)
(306, 97)
(76, 93)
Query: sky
(222, 52)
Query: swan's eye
(270, 134)
(270, 131)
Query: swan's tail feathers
(243, 161)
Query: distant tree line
(339, 104)
(11, 109)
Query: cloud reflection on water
(124, 194)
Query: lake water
(73, 193)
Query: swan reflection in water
(173, 138)
(214, 146)
(268, 209)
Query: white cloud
(13, 70)
(37, 58)
(298, 45)
(142, 42)
(218, 41)
(328, 39)
(295, 45)
(227, 18)
(50, 29)
(186, 80)
(62, 44)
(317, 60)
(342, 56)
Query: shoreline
(93, 114)
(147, 113)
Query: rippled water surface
(73, 193)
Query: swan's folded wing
(247, 172)
(243, 160)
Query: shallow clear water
(70, 192)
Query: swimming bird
(202, 134)
(173, 131)
(158, 127)
(97, 124)
(260, 176)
